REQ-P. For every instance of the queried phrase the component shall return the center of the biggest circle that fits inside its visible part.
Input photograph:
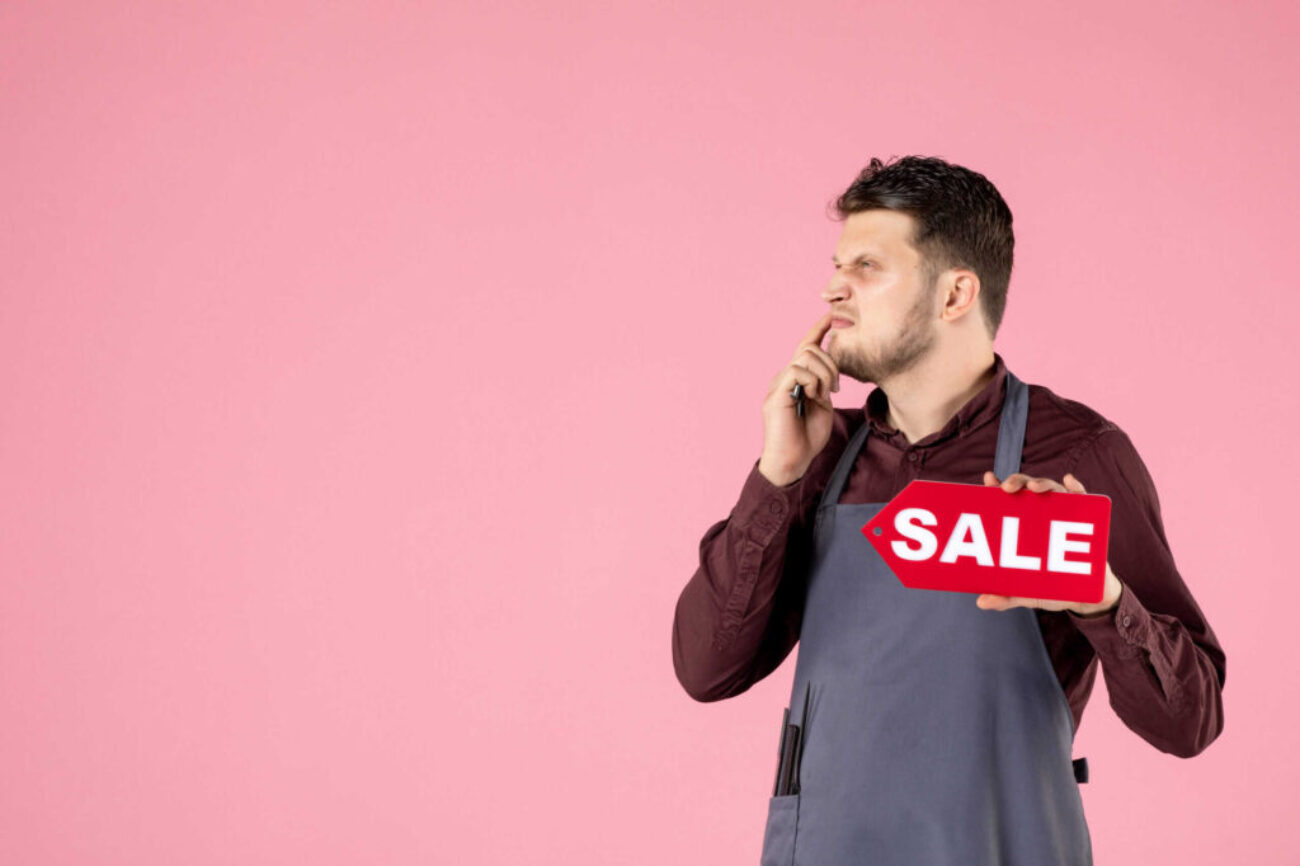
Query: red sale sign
(973, 538)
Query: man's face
(892, 319)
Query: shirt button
(913, 456)
(1127, 620)
(774, 507)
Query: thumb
(1072, 484)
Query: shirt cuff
(1122, 632)
(764, 508)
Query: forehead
(883, 233)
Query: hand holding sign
(1034, 548)
(1111, 592)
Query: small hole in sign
(875, 530)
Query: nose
(836, 291)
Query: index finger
(818, 331)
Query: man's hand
(789, 442)
(1110, 595)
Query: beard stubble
(915, 339)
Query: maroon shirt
(739, 616)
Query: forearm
(733, 622)
(1163, 665)
(1162, 684)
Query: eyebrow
(864, 255)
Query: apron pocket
(778, 838)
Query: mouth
(841, 323)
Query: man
(936, 727)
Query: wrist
(777, 476)
(1110, 599)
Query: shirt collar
(979, 409)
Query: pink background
(372, 371)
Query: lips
(840, 323)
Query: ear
(962, 293)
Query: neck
(924, 398)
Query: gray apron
(936, 732)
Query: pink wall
(370, 374)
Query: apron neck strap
(1011, 435)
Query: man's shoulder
(844, 423)
(848, 419)
(1073, 412)
(1062, 425)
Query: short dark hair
(961, 220)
